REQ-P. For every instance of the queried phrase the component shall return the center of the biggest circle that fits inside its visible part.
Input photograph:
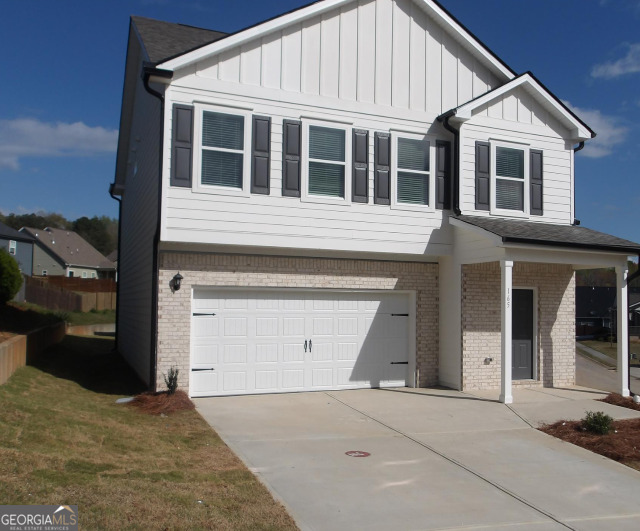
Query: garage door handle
(399, 315)
(310, 345)
(305, 345)
(198, 370)
(199, 314)
(399, 363)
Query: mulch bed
(621, 444)
(162, 403)
(619, 400)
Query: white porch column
(623, 329)
(506, 269)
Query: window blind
(222, 130)
(413, 188)
(510, 162)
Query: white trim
(13, 247)
(503, 212)
(577, 129)
(197, 186)
(283, 21)
(395, 204)
(304, 169)
(506, 330)
(623, 329)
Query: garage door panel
(259, 339)
(205, 355)
(206, 327)
(267, 353)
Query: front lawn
(64, 440)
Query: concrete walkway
(439, 459)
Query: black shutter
(360, 179)
(382, 172)
(535, 175)
(483, 175)
(182, 146)
(443, 174)
(291, 151)
(260, 155)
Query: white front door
(252, 341)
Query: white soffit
(276, 24)
(578, 130)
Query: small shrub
(171, 380)
(597, 422)
(10, 277)
(62, 315)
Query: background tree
(10, 277)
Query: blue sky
(63, 65)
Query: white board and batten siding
(266, 341)
(379, 65)
(517, 117)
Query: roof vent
(53, 242)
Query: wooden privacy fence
(71, 294)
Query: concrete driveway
(439, 459)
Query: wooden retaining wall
(17, 351)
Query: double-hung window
(12, 247)
(510, 175)
(222, 163)
(413, 176)
(327, 169)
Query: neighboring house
(357, 193)
(18, 245)
(113, 257)
(63, 252)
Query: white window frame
(494, 143)
(84, 274)
(395, 204)
(197, 186)
(93, 274)
(13, 247)
(304, 173)
(44, 272)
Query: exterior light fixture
(175, 281)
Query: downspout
(147, 71)
(444, 119)
(630, 279)
(575, 150)
(119, 200)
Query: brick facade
(203, 269)
(555, 334)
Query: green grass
(64, 440)
(73, 318)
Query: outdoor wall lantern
(175, 281)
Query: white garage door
(246, 342)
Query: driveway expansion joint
(458, 464)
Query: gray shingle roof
(516, 231)
(10, 233)
(165, 40)
(70, 247)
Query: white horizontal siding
(517, 117)
(388, 52)
(276, 221)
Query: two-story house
(357, 193)
(18, 245)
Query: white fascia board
(255, 32)
(578, 131)
(444, 19)
(493, 238)
(278, 23)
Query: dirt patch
(163, 402)
(621, 444)
(619, 400)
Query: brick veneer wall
(201, 269)
(555, 333)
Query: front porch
(515, 306)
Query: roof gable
(527, 82)
(305, 13)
